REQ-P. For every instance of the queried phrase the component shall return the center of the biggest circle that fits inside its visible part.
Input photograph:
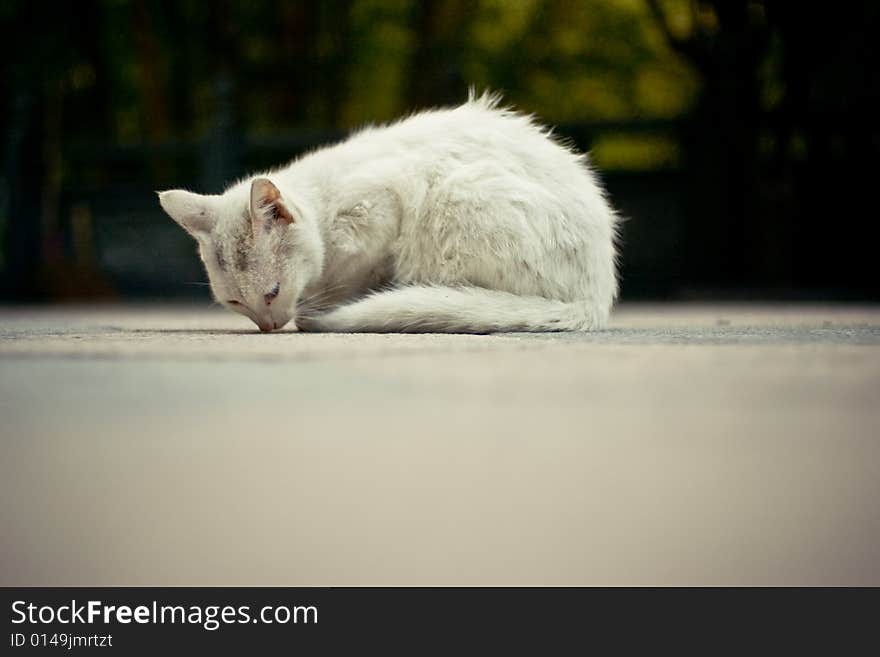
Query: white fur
(471, 219)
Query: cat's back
(477, 131)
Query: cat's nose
(282, 322)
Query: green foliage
(577, 61)
(139, 71)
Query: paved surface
(686, 445)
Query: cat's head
(259, 248)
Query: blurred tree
(151, 78)
(435, 72)
(826, 140)
(726, 45)
(777, 103)
(804, 81)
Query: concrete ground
(689, 444)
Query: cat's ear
(192, 211)
(267, 207)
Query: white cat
(465, 220)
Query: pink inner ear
(264, 191)
(279, 212)
(267, 208)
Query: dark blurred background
(740, 139)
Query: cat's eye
(271, 294)
(233, 302)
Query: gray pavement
(688, 444)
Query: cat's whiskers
(314, 300)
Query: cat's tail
(438, 309)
